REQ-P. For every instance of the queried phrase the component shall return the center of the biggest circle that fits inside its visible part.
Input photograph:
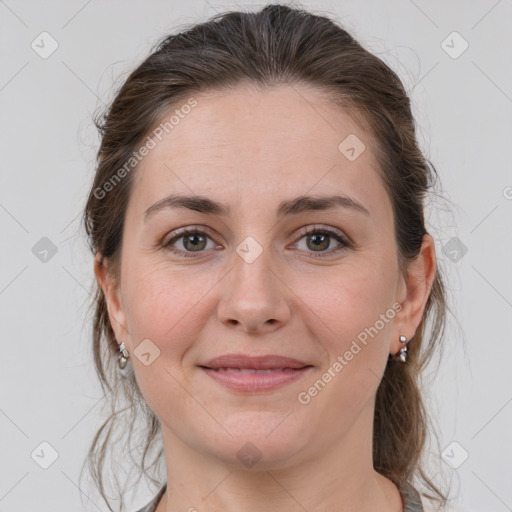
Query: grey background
(463, 108)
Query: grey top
(410, 497)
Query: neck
(340, 479)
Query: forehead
(246, 141)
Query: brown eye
(191, 241)
(319, 240)
(195, 242)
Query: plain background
(463, 108)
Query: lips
(242, 373)
(244, 362)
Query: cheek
(352, 298)
(155, 300)
(168, 306)
(354, 318)
(355, 315)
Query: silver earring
(123, 356)
(403, 350)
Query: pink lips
(262, 373)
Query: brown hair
(277, 45)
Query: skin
(251, 149)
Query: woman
(265, 275)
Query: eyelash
(334, 233)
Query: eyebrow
(295, 206)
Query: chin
(259, 443)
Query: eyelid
(185, 229)
(315, 228)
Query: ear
(112, 292)
(415, 291)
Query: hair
(278, 45)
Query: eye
(318, 240)
(192, 240)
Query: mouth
(253, 370)
(255, 374)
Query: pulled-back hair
(278, 45)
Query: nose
(253, 298)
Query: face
(260, 274)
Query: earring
(123, 356)
(403, 350)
